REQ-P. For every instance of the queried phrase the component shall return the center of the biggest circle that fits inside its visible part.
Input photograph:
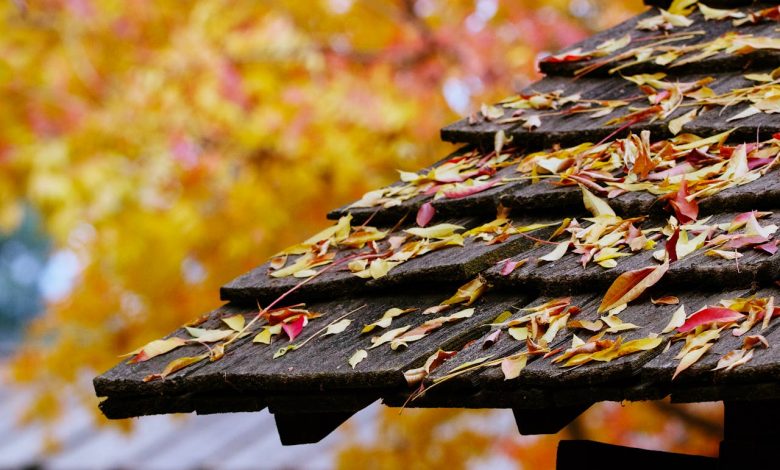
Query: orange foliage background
(174, 145)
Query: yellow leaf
(690, 358)
(235, 322)
(440, 231)
(176, 365)
(208, 336)
(598, 207)
(155, 348)
(678, 318)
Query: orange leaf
(630, 285)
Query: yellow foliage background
(175, 145)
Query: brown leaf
(666, 300)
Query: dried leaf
(676, 124)
(753, 341)
(155, 348)
(630, 285)
(267, 333)
(638, 345)
(710, 316)
(338, 327)
(557, 253)
(589, 325)
(425, 214)
(235, 322)
(284, 350)
(387, 319)
(686, 211)
(294, 328)
(440, 231)
(356, 358)
(209, 336)
(176, 365)
(388, 336)
(513, 365)
(733, 359)
(434, 361)
(677, 320)
(690, 358)
(598, 207)
(468, 293)
(710, 13)
(519, 333)
(666, 300)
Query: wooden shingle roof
(644, 153)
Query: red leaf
(294, 328)
(671, 245)
(425, 214)
(710, 316)
(742, 241)
(469, 190)
(770, 247)
(685, 211)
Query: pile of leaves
(369, 252)
(455, 178)
(691, 166)
(702, 329)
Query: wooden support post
(308, 428)
(548, 420)
(748, 433)
(578, 455)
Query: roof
(609, 233)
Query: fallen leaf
(235, 322)
(387, 319)
(686, 211)
(710, 13)
(294, 328)
(589, 325)
(676, 124)
(434, 361)
(208, 336)
(176, 365)
(666, 300)
(388, 336)
(513, 365)
(511, 265)
(630, 285)
(155, 348)
(436, 231)
(557, 253)
(598, 207)
(690, 358)
(733, 359)
(338, 327)
(425, 214)
(710, 316)
(267, 333)
(468, 293)
(677, 320)
(753, 341)
(356, 358)
(638, 345)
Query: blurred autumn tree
(170, 146)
